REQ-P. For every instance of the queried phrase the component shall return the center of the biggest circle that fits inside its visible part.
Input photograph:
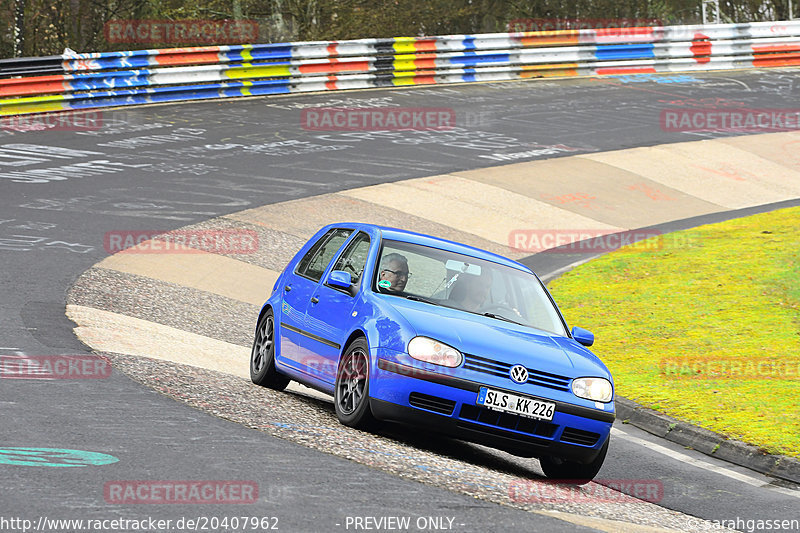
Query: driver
(394, 269)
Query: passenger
(471, 292)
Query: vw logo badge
(519, 374)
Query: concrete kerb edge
(707, 442)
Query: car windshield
(450, 279)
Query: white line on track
(678, 456)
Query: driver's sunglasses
(399, 273)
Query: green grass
(684, 322)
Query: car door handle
(287, 288)
(314, 300)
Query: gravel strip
(169, 304)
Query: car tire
(573, 472)
(262, 356)
(351, 391)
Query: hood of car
(499, 340)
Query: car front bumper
(447, 404)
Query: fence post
(714, 5)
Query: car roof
(434, 242)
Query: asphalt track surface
(52, 229)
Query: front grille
(501, 369)
(431, 403)
(538, 428)
(579, 436)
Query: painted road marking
(208, 272)
(485, 210)
(57, 457)
(603, 524)
(721, 470)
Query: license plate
(512, 403)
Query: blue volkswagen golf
(405, 327)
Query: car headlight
(433, 351)
(595, 389)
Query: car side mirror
(583, 336)
(340, 279)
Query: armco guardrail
(148, 76)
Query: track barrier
(95, 80)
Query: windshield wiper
(420, 299)
(501, 317)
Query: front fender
(385, 327)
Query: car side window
(354, 258)
(313, 264)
